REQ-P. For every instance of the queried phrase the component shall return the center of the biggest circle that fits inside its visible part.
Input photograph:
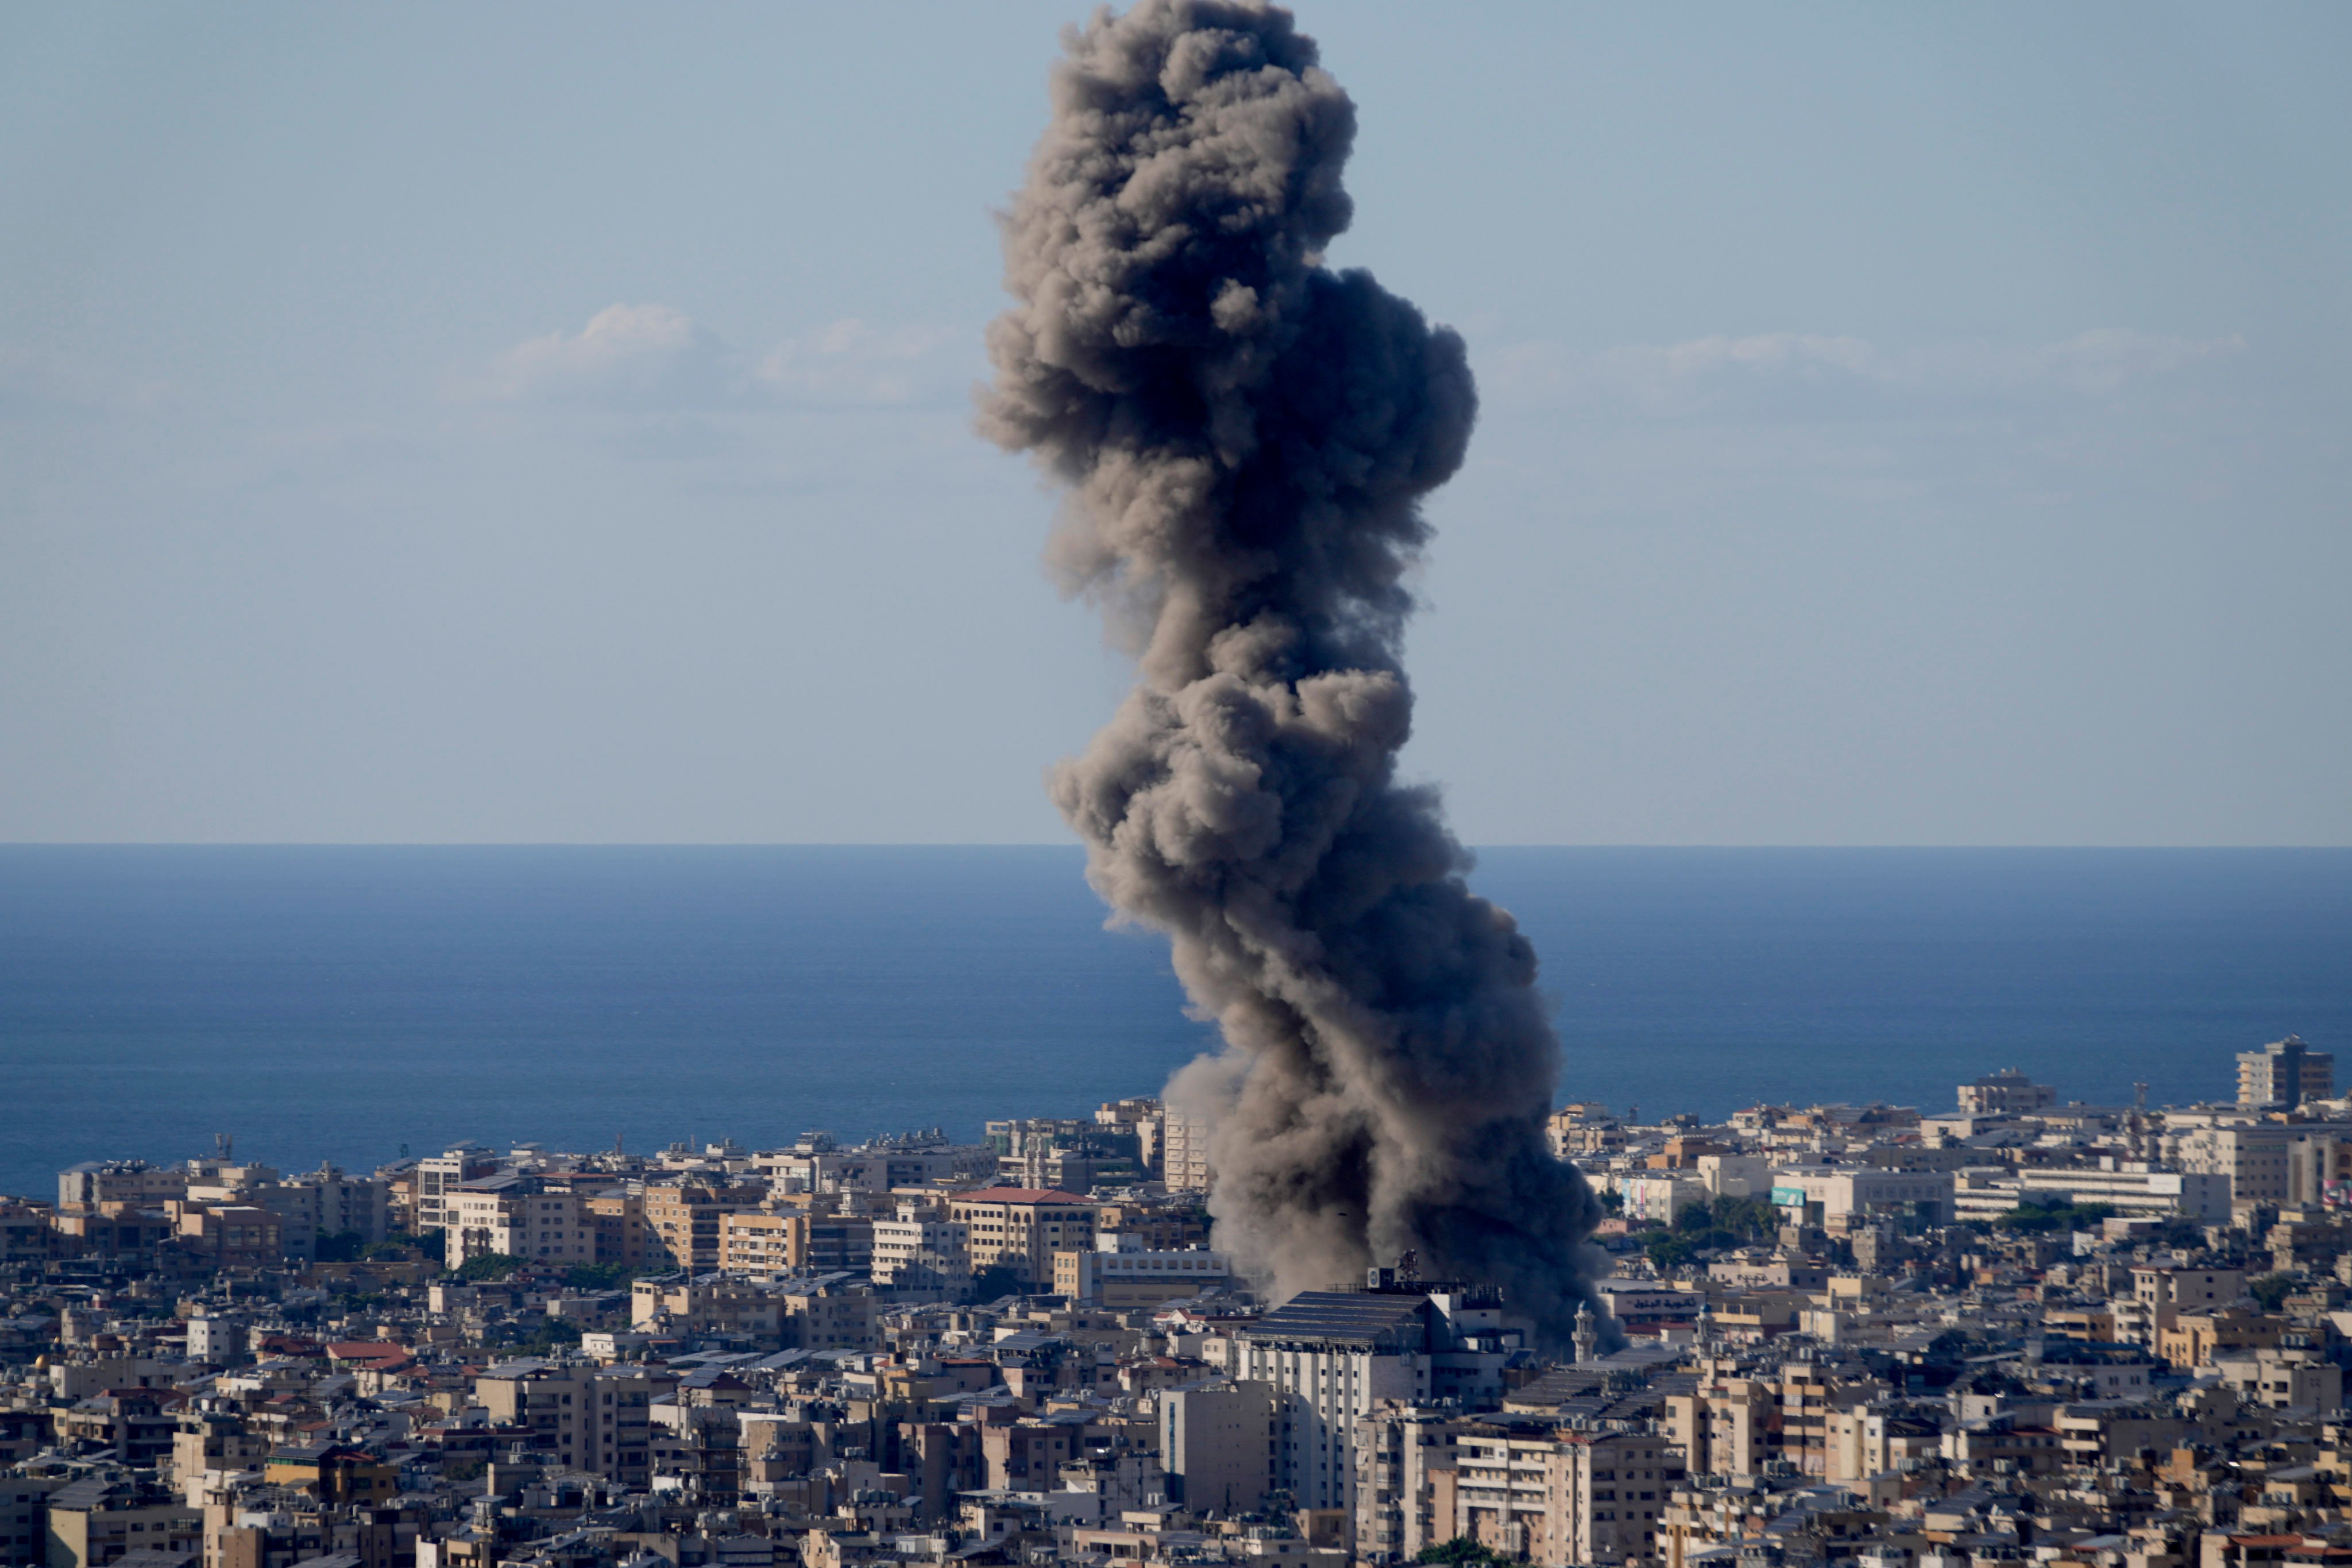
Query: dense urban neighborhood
(2019, 1329)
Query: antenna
(223, 1147)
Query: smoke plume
(1245, 435)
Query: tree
(488, 1266)
(1461, 1553)
(2040, 1219)
(1712, 1226)
(539, 1336)
(342, 1246)
(2270, 1292)
(598, 1275)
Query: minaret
(1587, 1336)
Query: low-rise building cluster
(2023, 1330)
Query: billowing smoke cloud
(1246, 435)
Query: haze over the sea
(325, 1002)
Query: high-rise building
(1331, 1356)
(1184, 1151)
(2285, 1073)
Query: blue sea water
(346, 1003)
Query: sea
(352, 1004)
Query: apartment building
(1541, 1493)
(91, 1187)
(97, 1520)
(705, 1304)
(835, 1312)
(1529, 1489)
(1142, 1117)
(2133, 1189)
(1331, 1356)
(2008, 1093)
(2284, 1073)
(1184, 1150)
(682, 1221)
(442, 1174)
(617, 1217)
(516, 1216)
(1019, 1229)
(1398, 1449)
(923, 1250)
(1120, 1277)
(2187, 1289)
(756, 1242)
(1170, 1225)
(580, 1416)
(24, 1518)
(1721, 1426)
(2253, 1157)
(342, 1203)
(1839, 1196)
(1217, 1445)
(227, 1235)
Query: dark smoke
(1246, 435)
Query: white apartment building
(1736, 1175)
(2136, 1189)
(443, 1174)
(922, 1249)
(1329, 1358)
(1119, 1274)
(1184, 1150)
(1561, 1495)
(511, 1215)
(1534, 1492)
(1659, 1198)
(2269, 1162)
(1837, 1196)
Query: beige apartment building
(1721, 1425)
(682, 1221)
(1020, 1228)
(710, 1304)
(514, 1218)
(1537, 1494)
(617, 1217)
(580, 1417)
(755, 1242)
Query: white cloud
(851, 363)
(656, 358)
(634, 356)
(1804, 372)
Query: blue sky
(1901, 425)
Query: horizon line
(1766, 847)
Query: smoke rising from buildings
(1245, 435)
